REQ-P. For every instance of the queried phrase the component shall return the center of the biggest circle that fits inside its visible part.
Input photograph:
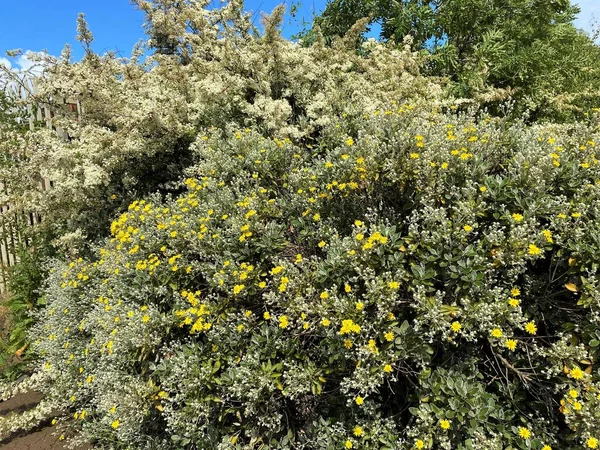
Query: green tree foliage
(528, 49)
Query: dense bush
(350, 262)
(414, 280)
(140, 115)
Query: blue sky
(37, 25)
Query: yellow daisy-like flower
(511, 344)
(524, 433)
(546, 447)
(266, 315)
(359, 400)
(592, 442)
(497, 333)
(348, 444)
(358, 431)
(389, 336)
(530, 328)
(321, 244)
(283, 322)
(468, 228)
(238, 288)
(456, 326)
(517, 217)
(444, 424)
(347, 288)
(324, 295)
(359, 306)
(419, 444)
(573, 393)
(387, 368)
(534, 250)
(576, 373)
(515, 292)
(513, 302)
(325, 322)
(317, 217)
(115, 424)
(393, 285)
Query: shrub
(415, 279)
(140, 116)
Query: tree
(528, 49)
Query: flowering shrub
(414, 279)
(139, 116)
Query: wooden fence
(13, 224)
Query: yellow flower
(513, 302)
(393, 285)
(456, 326)
(419, 444)
(573, 393)
(515, 292)
(387, 368)
(276, 270)
(347, 343)
(497, 333)
(468, 228)
(324, 295)
(283, 322)
(524, 433)
(266, 315)
(358, 223)
(517, 217)
(534, 250)
(348, 326)
(317, 217)
(146, 318)
(444, 424)
(592, 442)
(262, 284)
(349, 142)
(482, 188)
(414, 156)
(511, 344)
(322, 244)
(360, 237)
(359, 306)
(546, 447)
(115, 424)
(348, 444)
(325, 322)
(530, 328)
(389, 336)
(576, 373)
(444, 165)
(347, 288)
(238, 288)
(359, 400)
(358, 431)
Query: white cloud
(5, 62)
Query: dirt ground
(42, 438)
